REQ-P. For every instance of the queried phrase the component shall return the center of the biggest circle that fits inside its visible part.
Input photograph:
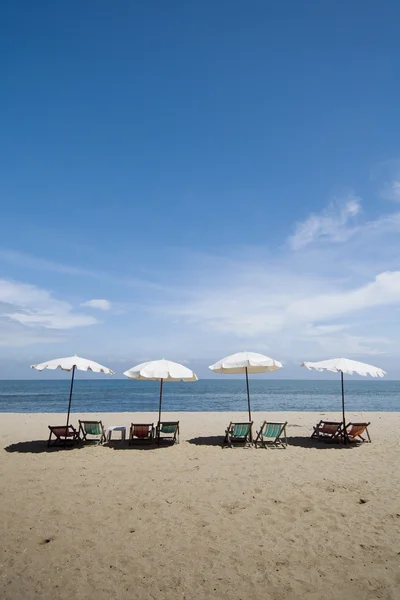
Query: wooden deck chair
(238, 433)
(273, 434)
(355, 432)
(92, 428)
(141, 432)
(328, 430)
(168, 431)
(62, 434)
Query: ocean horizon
(206, 395)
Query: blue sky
(192, 179)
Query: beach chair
(62, 434)
(238, 433)
(273, 434)
(328, 430)
(168, 431)
(141, 432)
(355, 431)
(92, 428)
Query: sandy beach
(197, 521)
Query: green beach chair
(168, 431)
(94, 428)
(238, 433)
(273, 434)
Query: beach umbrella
(344, 365)
(161, 370)
(246, 362)
(72, 363)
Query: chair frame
(173, 437)
(246, 440)
(359, 435)
(279, 439)
(335, 435)
(83, 434)
(63, 439)
(138, 440)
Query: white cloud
(325, 299)
(391, 191)
(383, 291)
(54, 320)
(15, 335)
(270, 307)
(340, 343)
(331, 224)
(385, 178)
(32, 306)
(99, 303)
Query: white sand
(196, 521)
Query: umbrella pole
(248, 401)
(69, 403)
(343, 413)
(159, 411)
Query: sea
(101, 395)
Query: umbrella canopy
(242, 361)
(161, 370)
(345, 365)
(246, 362)
(157, 370)
(72, 363)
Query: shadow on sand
(212, 440)
(124, 445)
(301, 441)
(308, 442)
(39, 446)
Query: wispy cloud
(335, 297)
(98, 303)
(320, 342)
(15, 335)
(385, 177)
(336, 226)
(332, 224)
(21, 259)
(383, 291)
(27, 261)
(332, 288)
(391, 191)
(269, 307)
(32, 306)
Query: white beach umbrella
(345, 365)
(246, 362)
(72, 363)
(161, 370)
